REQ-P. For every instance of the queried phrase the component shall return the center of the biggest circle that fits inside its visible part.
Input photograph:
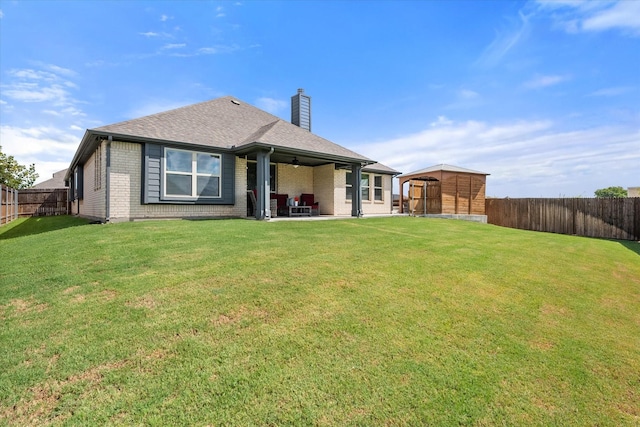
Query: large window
(191, 174)
(377, 187)
(365, 186)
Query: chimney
(301, 110)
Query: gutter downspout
(107, 191)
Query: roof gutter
(107, 190)
(304, 153)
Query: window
(364, 185)
(252, 176)
(377, 187)
(190, 174)
(97, 169)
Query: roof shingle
(226, 123)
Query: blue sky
(544, 96)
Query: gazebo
(444, 190)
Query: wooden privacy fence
(42, 202)
(615, 218)
(8, 204)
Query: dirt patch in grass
(146, 301)
(70, 290)
(22, 306)
(541, 344)
(108, 294)
(78, 298)
(45, 397)
(242, 313)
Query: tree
(611, 192)
(15, 175)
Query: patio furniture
(281, 203)
(307, 199)
(299, 210)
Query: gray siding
(153, 182)
(301, 111)
(152, 162)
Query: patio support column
(356, 190)
(263, 190)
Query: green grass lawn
(381, 321)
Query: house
(57, 181)
(444, 190)
(202, 160)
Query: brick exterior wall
(126, 191)
(323, 188)
(327, 184)
(369, 207)
(293, 181)
(92, 205)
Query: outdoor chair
(308, 200)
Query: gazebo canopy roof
(441, 167)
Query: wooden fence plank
(615, 218)
(43, 202)
(8, 204)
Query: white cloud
(465, 98)
(624, 15)
(164, 18)
(174, 46)
(504, 42)
(612, 91)
(60, 70)
(49, 148)
(524, 158)
(271, 105)
(1, 14)
(37, 140)
(217, 49)
(545, 81)
(150, 34)
(441, 121)
(468, 94)
(53, 91)
(32, 74)
(581, 16)
(32, 92)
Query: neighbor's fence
(8, 204)
(615, 218)
(43, 202)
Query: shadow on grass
(631, 245)
(39, 225)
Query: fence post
(15, 204)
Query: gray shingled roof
(226, 123)
(56, 182)
(442, 167)
(379, 167)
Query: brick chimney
(301, 110)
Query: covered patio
(276, 176)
